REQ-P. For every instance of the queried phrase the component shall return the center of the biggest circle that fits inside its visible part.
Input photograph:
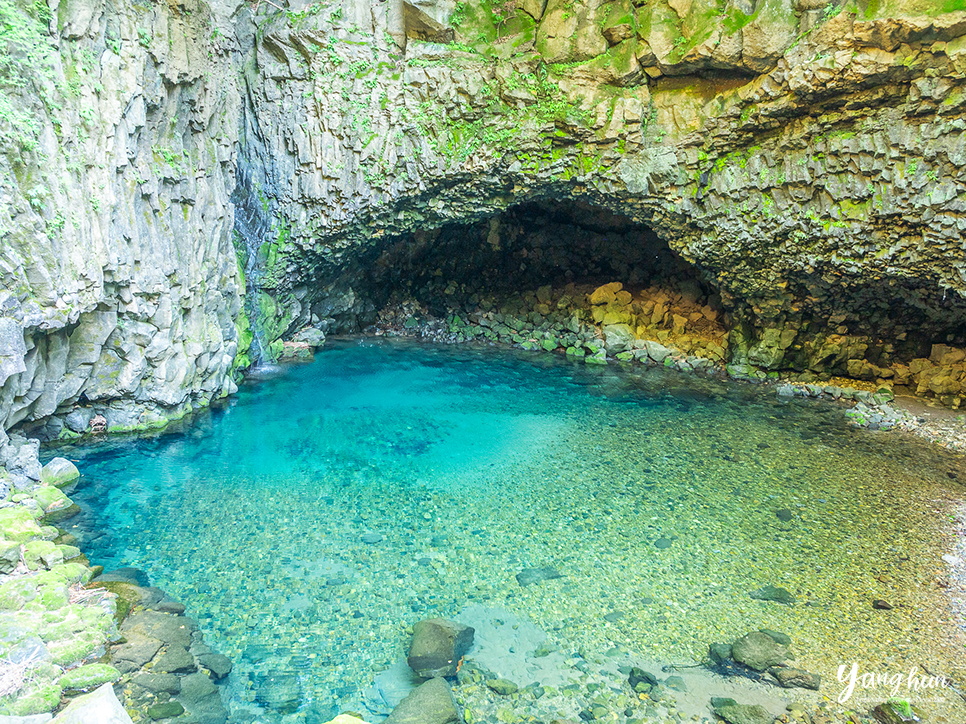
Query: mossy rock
(41, 699)
(18, 524)
(128, 596)
(88, 676)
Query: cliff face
(120, 286)
(803, 157)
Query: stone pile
(167, 668)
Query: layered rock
(119, 288)
(791, 154)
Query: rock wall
(804, 158)
(119, 287)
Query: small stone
(784, 515)
(371, 538)
(676, 683)
(719, 653)
(641, 681)
(881, 605)
(537, 575)
(791, 678)
(774, 593)
(662, 543)
(503, 687)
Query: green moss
(89, 676)
(36, 699)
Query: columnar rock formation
(802, 156)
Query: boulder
(59, 472)
(617, 337)
(759, 651)
(437, 647)
(430, 703)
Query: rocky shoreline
(71, 629)
(679, 326)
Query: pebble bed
(314, 519)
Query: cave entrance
(542, 264)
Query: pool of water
(311, 519)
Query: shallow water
(474, 465)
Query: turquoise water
(314, 517)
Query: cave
(531, 245)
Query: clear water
(477, 464)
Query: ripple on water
(314, 518)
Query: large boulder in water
(430, 703)
(437, 647)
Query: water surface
(661, 499)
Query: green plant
(144, 38)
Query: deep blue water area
(311, 519)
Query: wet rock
(774, 593)
(157, 683)
(791, 678)
(759, 651)
(503, 687)
(430, 703)
(219, 665)
(719, 653)
(203, 699)
(881, 605)
(537, 575)
(662, 543)
(176, 660)
(372, 538)
(641, 681)
(278, 690)
(437, 647)
(99, 706)
(676, 683)
(895, 712)
(165, 710)
(735, 713)
(135, 653)
(784, 515)
(128, 575)
(169, 629)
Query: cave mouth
(564, 251)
